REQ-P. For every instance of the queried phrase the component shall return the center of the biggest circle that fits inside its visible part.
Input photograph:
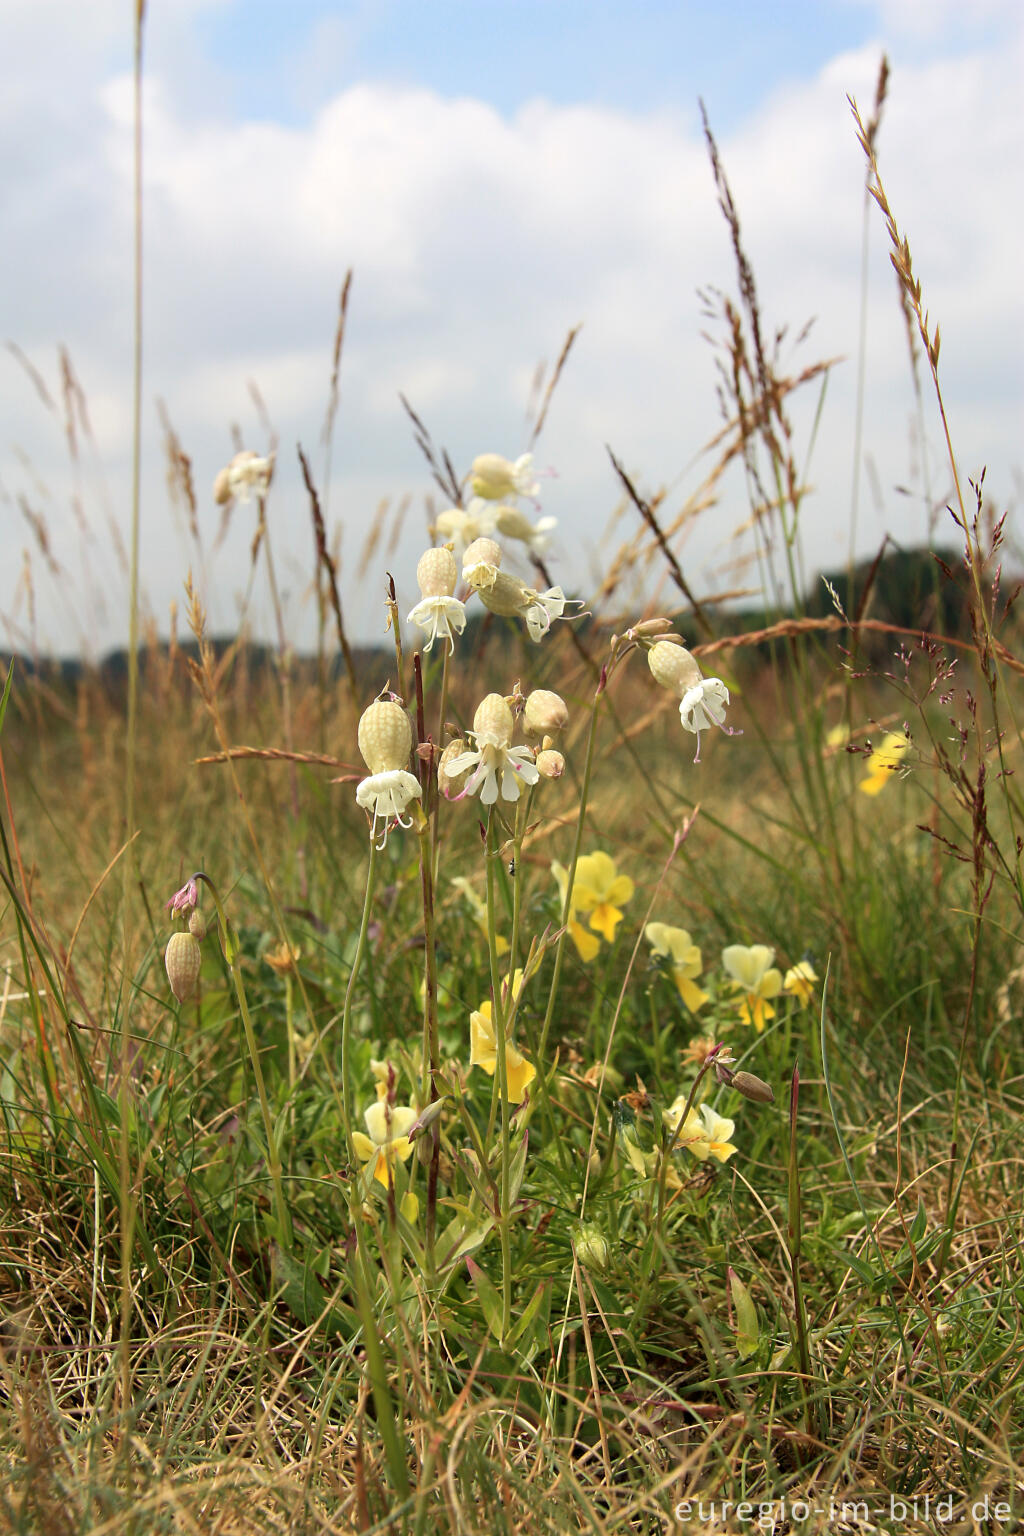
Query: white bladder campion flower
(513, 524)
(494, 478)
(438, 612)
(385, 741)
(702, 700)
(506, 595)
(459, 526)
(494, 763)
(246, 475)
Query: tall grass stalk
(127, 1209)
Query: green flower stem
(523, 808)
(434, 802)
(588, 768)
(230, 946)
(346, 1016)
(431, 1046)
(501, 1082)
(667, 1146)
(426, 820)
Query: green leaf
(518, 1169)
(488, 1295)
(524, 1327)
(461, 1237)
(748, 1331)
(860, 1266)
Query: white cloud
(476, 240)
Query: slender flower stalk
(427, 828)
(498, 1018)
(346, 1015)
(230, 947)
(556, 974)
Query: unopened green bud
(592, 1246)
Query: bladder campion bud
(385, 736)
(550, 765)
(182, 959)
(545, 714)
(197, 925)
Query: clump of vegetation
(544, 1126)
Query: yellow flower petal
(619, 891)
(587, 946)
(519, 1074)
(482, 1044)
(690, 993)
(605, 918)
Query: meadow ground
(357, 1228)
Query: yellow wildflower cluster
(599, 892)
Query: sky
(493, 172)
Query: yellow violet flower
(600, 890)
(675, 945)
(751, 968)
(799, 982)
(483, 1052)
(884, 761)
(586, 944)
(483, 1045)
(703, 1132)
(388, 1125)
(384, 1076)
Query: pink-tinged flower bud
(182, 959)
(385, 736)
(450, 784)
(648, 627)
(493, 721)
(673, 667)
(550, 764)
(186, 898)
(545, 714)
(437, 572)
